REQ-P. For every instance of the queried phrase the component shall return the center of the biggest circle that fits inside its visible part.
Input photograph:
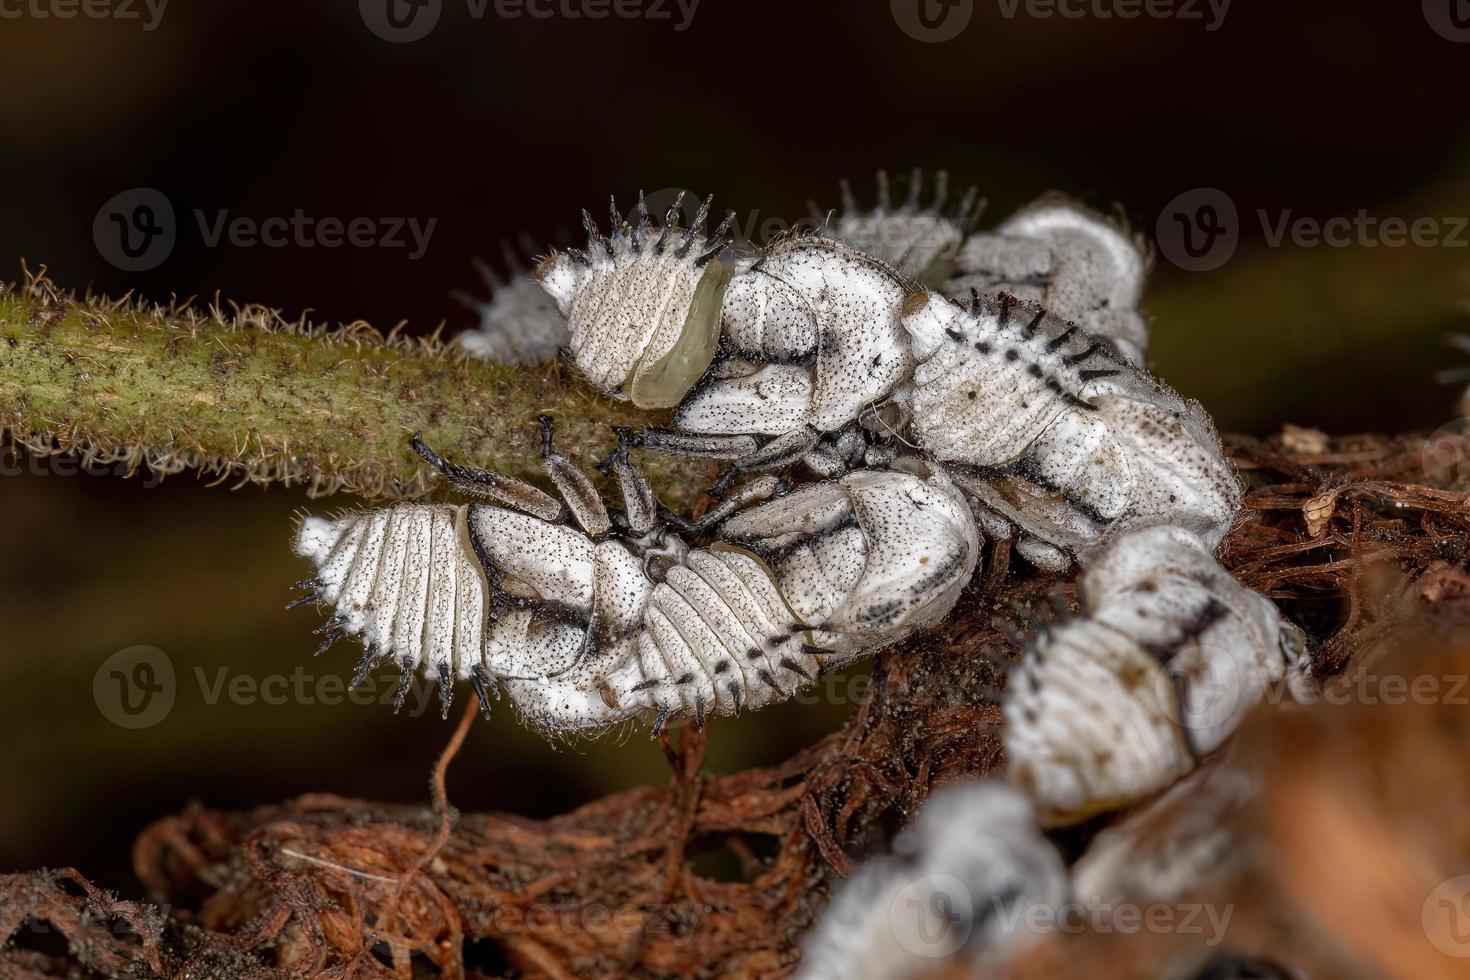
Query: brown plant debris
(304, 888)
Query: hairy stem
(244, 394)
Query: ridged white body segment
(870, 557)
(1168, 656)
(919, 240)
(617, 307)
(1047, 428)
(1079, 265)
(403, 579)
(635, 300)
(1090, 725)
(582, 636)
(962, 885)
(819, 301)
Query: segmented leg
(723, 447)
(485, 485)
(575, 488)
(640, 507)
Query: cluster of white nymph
(888, 393)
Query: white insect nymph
(642, 305)
(1054, 435)
(818, 322)
(587, 618)
(1080, 265)
(960, 886)
(919, 240)
(1168, 656)
(519, 323)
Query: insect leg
(702, 446)
(1047, 557)
(575, 488)
(639, 504)
(484, 485)
(782, 450)
(757, 491)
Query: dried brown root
(611, 889)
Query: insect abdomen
(722, 612)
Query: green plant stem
(246, 395)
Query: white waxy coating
(581, 637)
(774, 398)
(1163, 587)
(1090, 724)
(634, 300)
(847, 304)
(916, 238)
(767, 316)
(400, 577)
(876, 554)
(961, 885)
(913, 243)
(553, 560)
(1054, 433)
(1170, 654)
(1186, 840)
(519, 324)
(1078, 264)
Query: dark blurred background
(497, 125)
